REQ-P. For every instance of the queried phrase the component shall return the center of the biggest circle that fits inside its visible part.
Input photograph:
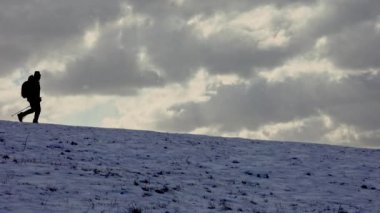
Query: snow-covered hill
(51, 168)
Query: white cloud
(377, 25)
(91, 36)
(298, 67)
(10, 95)
(145, 110)
(61, 109)
(177, 2)
(343, 134)
(268, 25)
(293, 130)
(131, 18)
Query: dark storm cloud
(31, 29)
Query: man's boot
(20, 117)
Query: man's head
(37, 75)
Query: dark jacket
(35, 90)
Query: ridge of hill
(53, 168)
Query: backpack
(25, 90)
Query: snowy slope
(50, 168)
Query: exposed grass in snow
(51, 168)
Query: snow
(52, 168)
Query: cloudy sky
(299, 70)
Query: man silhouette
(33, 97)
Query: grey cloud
(107, 69)
(192, 7)
(358, 102)
(343, 14)
(173, 47)
(179, 52)
(34, 29)
(356, 48)
(349, 27)
(236, 107)
(31, 28)
(370, 140)
(353, 101)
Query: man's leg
(37, 110)
(23, 114)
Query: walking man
(32, 93)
